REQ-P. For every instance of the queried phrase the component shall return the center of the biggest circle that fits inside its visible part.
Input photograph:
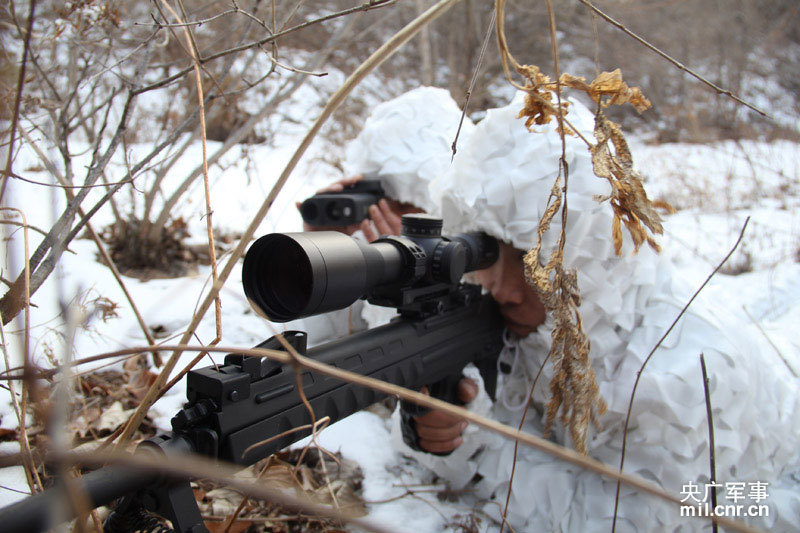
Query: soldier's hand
(440, 432)
(386, 218)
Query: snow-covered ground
(715, 187)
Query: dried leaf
(573, 388)
(608, 88)
(140, 382)
(7, 435)
(292, 471)
(113, 417)
(616, 233)
(628, 197)
(538, 106)
(239, 526)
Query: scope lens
(278, 277)
(291, 275)
(291, 264)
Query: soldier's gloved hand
(435, 431)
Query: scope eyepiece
(294, 275)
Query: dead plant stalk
(192, 49)
(31, 473)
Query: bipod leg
(176, 503)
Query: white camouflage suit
(499, 182)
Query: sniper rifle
(442, 325)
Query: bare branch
(368, 6)
(12, 302)
(18, 98)
(675, 62)
(712, 459)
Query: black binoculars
(342, 208)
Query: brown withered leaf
(238, 526)
(608, 88)
(140, 382)
(291, 471)
(573, 388)
(538, 106)
(628, 197)
(7, 435)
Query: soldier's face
(505, 280)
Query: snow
(715, 187)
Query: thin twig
(322, 423)
(212, 252)
(473, 81)
(21, 225)
(711, 459)
(675, 62)
(198, 23)
(15, 490)
(769, 340)
(653, 351)
(18, 97)
(364, 7)
(294, 69)
(375, 60)
(65, 186)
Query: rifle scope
(294, 275)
